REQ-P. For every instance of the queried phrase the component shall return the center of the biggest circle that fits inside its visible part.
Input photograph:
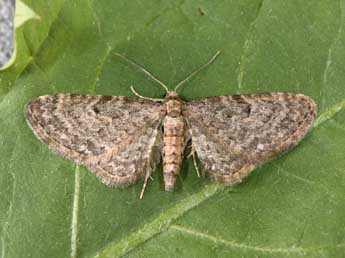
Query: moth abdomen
(173, 147)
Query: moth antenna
(143, 70)
(197, 70)
(143, 97)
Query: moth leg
(187, 142)
(147, 176)
(192, 152)
(194, 161)
(157, 148)
(155, 158)
(188, 136)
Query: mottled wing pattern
(233, 134)
(113, 136)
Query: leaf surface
(290, 207)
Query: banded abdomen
(174, 126)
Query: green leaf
(290, 207)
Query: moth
(121, 138)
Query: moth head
(171, 95)
(173, 103)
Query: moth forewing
(233, 134)
(117, 149)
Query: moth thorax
(174, 108)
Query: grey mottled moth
(121, 138)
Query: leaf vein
(10, 207)
(320, 185)
(246, 47)
(329, 113)
(329, 55)
(159, 224)
(234, 244)
(96, 17)
(100, 67)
